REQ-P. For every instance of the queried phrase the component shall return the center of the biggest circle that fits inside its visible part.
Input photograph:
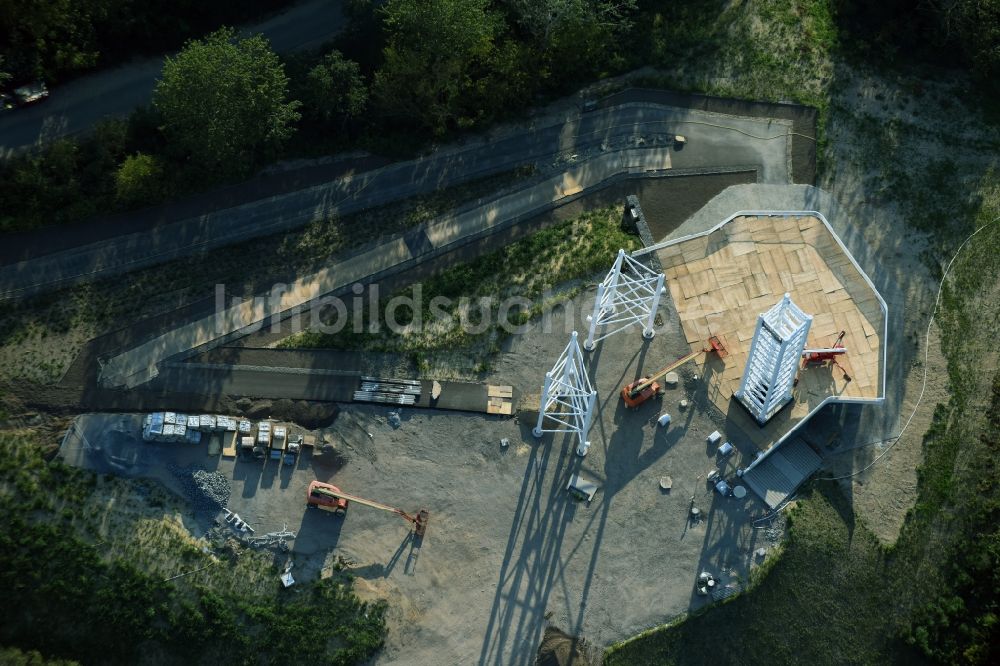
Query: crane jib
(648, 381)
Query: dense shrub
(68, 180)
(139, 180)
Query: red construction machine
(829, 354)
(331, 498)
(641, 390)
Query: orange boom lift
(641, 390)
(822, 356)
(331, 498)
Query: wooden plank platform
(499, 400)
(499, 406)
(720, 283)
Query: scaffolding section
(568, 399)
(774, 358)
(630, 294)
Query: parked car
(31, 93)
(6, 102)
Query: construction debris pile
(233, 520)
(279, 539)
(206, 490)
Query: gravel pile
(206, 490)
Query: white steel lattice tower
(774, 359)
(630, 294)
(568, 399)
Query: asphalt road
(302, 383)
(78, 105)
(554, 144)
(431, 239)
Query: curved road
(76, 106)
(554, 144)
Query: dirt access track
(508, 551)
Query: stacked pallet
(168, 427)
(388, 391)
(177, 427)
(499, 400)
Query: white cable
(923, 386)
(739, 131)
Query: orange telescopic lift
(820, 356)
(641, 390)
(331, 498)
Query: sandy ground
(882, 495)
(508, 552)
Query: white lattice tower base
(568, 399)
(630, 294)
(774, 359)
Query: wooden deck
(721, 282)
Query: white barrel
(664, 420)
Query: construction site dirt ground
(508, 551)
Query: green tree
(42, 38)
(437, 61)
(948, 32)
(977, 34)
(51, 38)
(544, 20)
(224, 102)
(139, 180)
(334, 90)
(64, 181)
(575, 38)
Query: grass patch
(465, 307)
(773, 50)
(943, 192)
(88, 561)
